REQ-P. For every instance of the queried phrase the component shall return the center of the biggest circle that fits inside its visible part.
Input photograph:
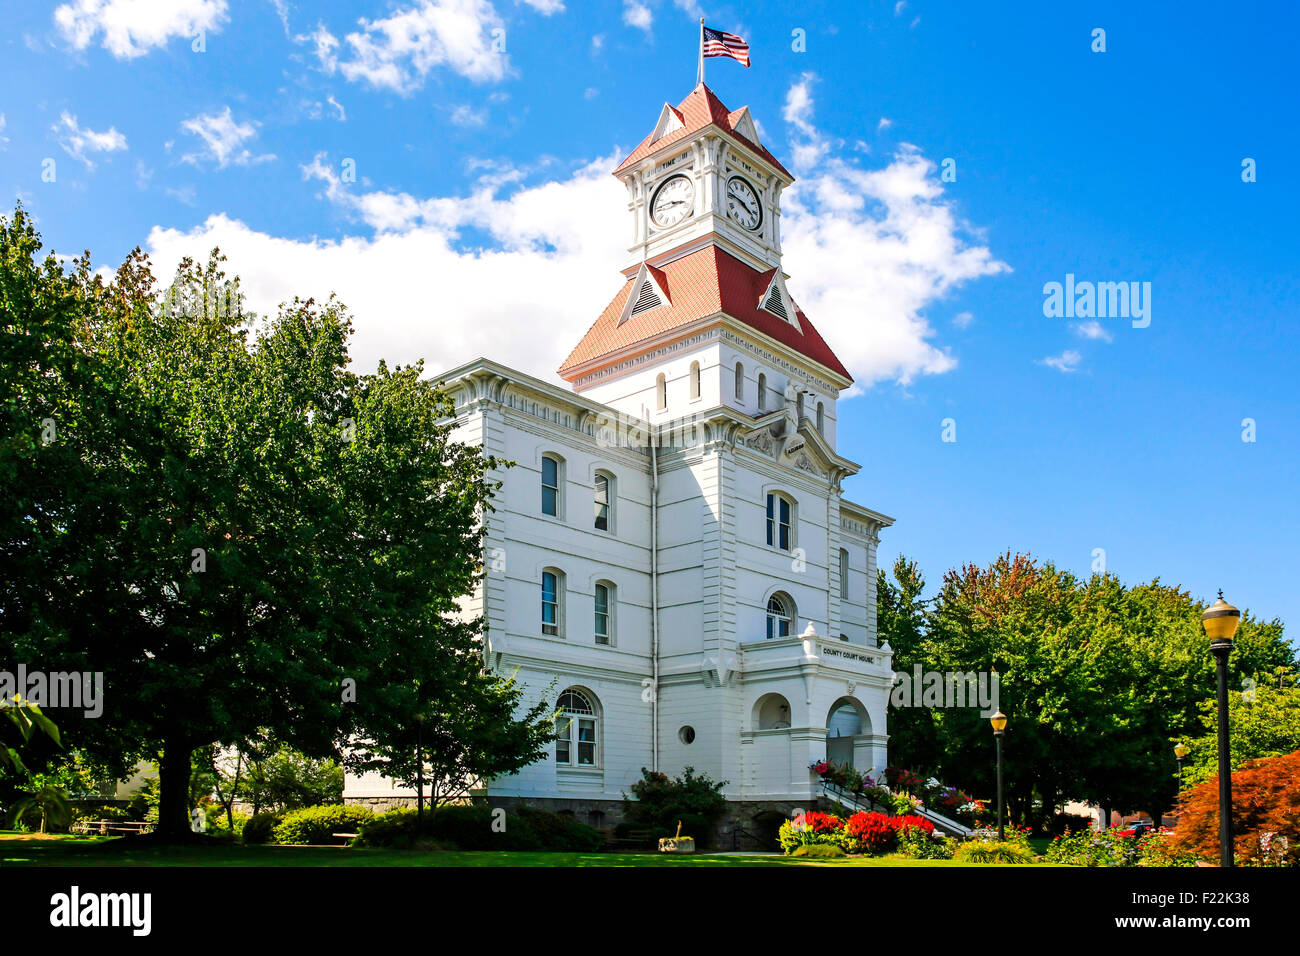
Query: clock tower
(702, 176)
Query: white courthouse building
(671, 559)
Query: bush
(260, 828)
(818, 851)
(808, 829)
(1068, 823)
(318, 825)
(696, 801)
(1265, 824)
(467, 827)
(917, 844)
(1117, 847)
(979, 851)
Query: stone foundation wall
(746, 824)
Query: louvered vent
(775, 304)
(646, 299)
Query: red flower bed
(878, 832)
(817, 822)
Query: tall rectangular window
(602, 503)
(550, 603)
(844, 574)
(602, 614)
(550, 486)
(778, 522)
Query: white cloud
(597, 43)
(465, 115)
(343, 114)
(963, 320)
(415, 290)
(899, 7)
(1093, 329)
(518, 271)
(546, 7)
(637, 15)
(398, 52)
(131, 28)
(77, 141)
(223, 140)
(885, 123)
(4, 140)
(1067, 361)
(869, 251)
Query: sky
(443, 166)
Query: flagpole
(699, 75)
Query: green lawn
(22, 849)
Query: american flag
(717, 43)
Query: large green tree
(245, 537)
(1095, 677)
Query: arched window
(661, 392)
(772, 712)
(551, 485)
(780, 615)
(844, 574)
(552, 602)
(603, 502)
(762, 392)
(740, 381)
(576, 729)
(821, 418)
(695, 380)
(604, 622)
(780, 525)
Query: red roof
(700, 109)
(704, 283)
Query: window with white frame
(604, 622)
(603, 502)
(552, 602)
(821, 418)
(762, 392)
(844, 573)
(576, 729)
(780, 615)
(695, 380)
(661, 392)
(779, 522)
(550, 486)
(740, 381)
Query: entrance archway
(846, 723)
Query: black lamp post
(1180, 751)
(999, 722)
(1220, 621)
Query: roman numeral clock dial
(673, 202)
(743, 205)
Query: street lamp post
(1180, 751)
(1220, 621)
(999, 722)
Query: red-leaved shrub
(1265, 814)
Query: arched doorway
(846, 723)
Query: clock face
(673, 202)
(742, 203)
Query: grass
(23, 849)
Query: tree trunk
(419, 790)
(174, 787)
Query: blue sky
(482, 220)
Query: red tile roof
(706, 282)
(700, 109)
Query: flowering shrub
(808, 829)
(877, 833)
(918, 844)
(1018, 835)
(1117, 847)
(915, 792)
